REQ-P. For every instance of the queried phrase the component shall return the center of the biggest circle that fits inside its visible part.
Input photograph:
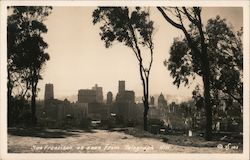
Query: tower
(121, 87)
(109, 97)
(99, 94)
(49, 92)
(152, 100)
(161, 101)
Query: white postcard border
(3, 80)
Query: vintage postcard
(124, 80)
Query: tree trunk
(204, 62)
(144, 74)
(33, 106)
(145, 115)
(9, 86)
(206, 82)
(208, 107)
(145, 102)
(10, 108)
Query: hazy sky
(79, 60)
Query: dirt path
(102, 141)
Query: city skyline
(138, 99)
(79, 59)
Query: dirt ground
(115, 141)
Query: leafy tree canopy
(26, 46)
(117, 23)
(225, 56)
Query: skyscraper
(121, 87)
(99, 94)
(109, 97)
(124, 95)
(152, 100)
(49, 92)
(87, 96)
(90, 95)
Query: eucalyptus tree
(198, 47)
(26, 50)
(213, 52)
(133, 28)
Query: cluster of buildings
(90, 104)
(122, 109)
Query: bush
(85, 123)
(18, 112)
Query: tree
(197, 47)
(225, 56)
(133, 28)
(26, 50)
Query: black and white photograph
(124, 80)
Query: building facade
(99, 94)
(121, 87)
(87, 96)
(125, 103)
(109, 98)
(49, 92)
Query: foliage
(26, 50)
(26, 46)
(119, 25)
(225, 57)
(17, 109)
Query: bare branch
(169, 20)
(189, 16)
(151, 47)
(179, 16)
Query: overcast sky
(79, 60)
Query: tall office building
(109, 97)
(124, 95)
(49, 92)
(99, 94)
(86, 96)
(121, 87)
(152, 100)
